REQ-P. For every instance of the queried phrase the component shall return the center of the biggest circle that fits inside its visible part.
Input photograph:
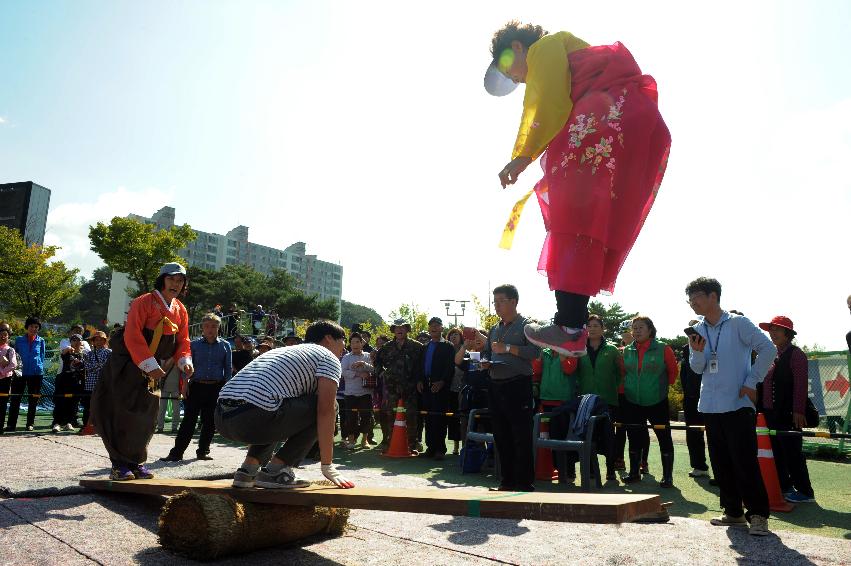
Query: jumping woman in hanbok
(593, 119)
(125, 401)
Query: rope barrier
(393, 411)
(803, 433)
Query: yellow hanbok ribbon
(158, 333)
(154, 385)
(513, 220)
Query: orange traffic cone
(544, 467)
(88, 429)
(399, 438)
(765, 454)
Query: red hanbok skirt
(601, 172)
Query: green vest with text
(603, 377)
(649, 385)
(555, 385)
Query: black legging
(639, 415)
(788, 457)
(572, 309)
(33, 385)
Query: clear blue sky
(362, 129)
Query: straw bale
(208, 526)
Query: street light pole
(448, 302)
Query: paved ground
(64, 525)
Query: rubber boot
(667, 470)
(634, 468)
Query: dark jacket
(688, 378)
(561, 425)
(442, 364)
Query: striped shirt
(282, 373)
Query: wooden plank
(541, 506)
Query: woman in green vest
(601, 373)
(651, 367)
(558, 382)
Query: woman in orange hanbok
(593, 119)
(125, 401)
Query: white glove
(331, 473)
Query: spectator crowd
(729, 370)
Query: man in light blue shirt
(720, 349)
(211, 358)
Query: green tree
(204, 292)
(351, 314)
(612, 317)
(414, 316)
(376, 330)
(247, 287)
(308, 307)
(138, 249)
(676, 343)
(32, 286)
(242, 285)
(91, 303)
(487, 319)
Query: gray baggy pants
(294, 424)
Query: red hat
(782, 321)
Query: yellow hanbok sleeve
(547, 103)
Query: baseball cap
(172, 268)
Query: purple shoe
(140, 472)
(121, 473)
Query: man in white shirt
(65, 343)
(720, 350)
(357, 370)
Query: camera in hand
(475, 361)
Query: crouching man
(286, 395)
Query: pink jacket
(12, 357)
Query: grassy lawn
(695, 498)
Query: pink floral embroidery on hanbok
(595, 154)
(580, 129)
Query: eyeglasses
(502, 301)
(691, 299)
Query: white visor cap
(496, 83)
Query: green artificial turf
(694, 498)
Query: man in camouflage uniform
(399, 364)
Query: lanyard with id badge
(713, 350)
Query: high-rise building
(23, 207)
(214, 251)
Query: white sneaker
(70, 427)
(695, 473)
(56, 428)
